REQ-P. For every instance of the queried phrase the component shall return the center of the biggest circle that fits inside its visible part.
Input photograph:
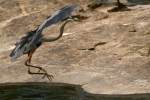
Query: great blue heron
(33, 39)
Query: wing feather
(22, 45)
(58, 16)
(33, 38)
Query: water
(57, 91)
(129, 1)
(139, 1)
(38, 91)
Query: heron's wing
(32, 38)
(22, 45)
(58, 16)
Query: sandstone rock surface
(119, 64)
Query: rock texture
(108, 52)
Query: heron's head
(78, 18)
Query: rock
(118, 64)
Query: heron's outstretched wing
(58, 16)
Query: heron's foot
(45, 74)
(50, 77)
(41, 72)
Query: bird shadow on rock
(120, 7)
(57, 91)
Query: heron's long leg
(44, 72)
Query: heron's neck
(59, 36)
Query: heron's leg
(28, 62)
(44, 72)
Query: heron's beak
(76, 19)
(73, 19)
(79, 18)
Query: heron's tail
(15, 54)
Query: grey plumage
(58, 16)
(22, 45)
(33, 39)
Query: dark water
(129, 1)
(139, 1)
(57, 91)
